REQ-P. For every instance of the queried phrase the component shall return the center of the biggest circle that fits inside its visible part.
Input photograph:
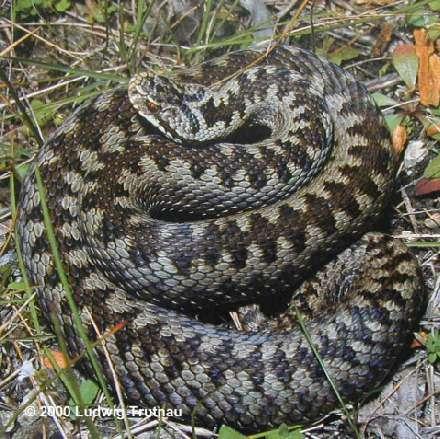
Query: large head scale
(156, 98)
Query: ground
(55, 54)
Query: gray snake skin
(189, 197)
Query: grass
(126, 37)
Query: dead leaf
(116, 328)
(399, 138)
(60, 359)
(111, 331)
(434, 70)
(426, 186)
(419, 340)
(428, 78)
(433, 130)
(383, 39)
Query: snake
(256, 178)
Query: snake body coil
(189, 194)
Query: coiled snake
(197, 193)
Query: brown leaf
(419, 340)
(399, 138)
(434, 70)
(59, 358)
(433, 130)
(428, 79)
(111, 331)
(383, 39)
(427, 186)
(117, 327)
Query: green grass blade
(141, 18)
(66, 286)
(327, 375)
(72, 72)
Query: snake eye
(153, 107)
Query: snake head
(151, 94)
(157, 99)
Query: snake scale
(192, 195)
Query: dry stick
(395, 389)
(384, 82)
(10, 228)
(53, 413)
(183, 16)
(115, 377)
(292, 22)
(18, 42)
(43, 91)
(236, 319)
(140, 428)
(91, 29)
(199, 431)
(9, 378)
(48, 43)
(410, 210)
(400, 104)
(431, 390)
(61, 84)
(366, 61)
(344, 5)
(22, 109)
(173, 427)
(424, 211)
(417, 235)
(17, 313)
(422, 401)
(94, 30)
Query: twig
(48, 43)
(114, 375)
(18, 42)
(384, 82)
